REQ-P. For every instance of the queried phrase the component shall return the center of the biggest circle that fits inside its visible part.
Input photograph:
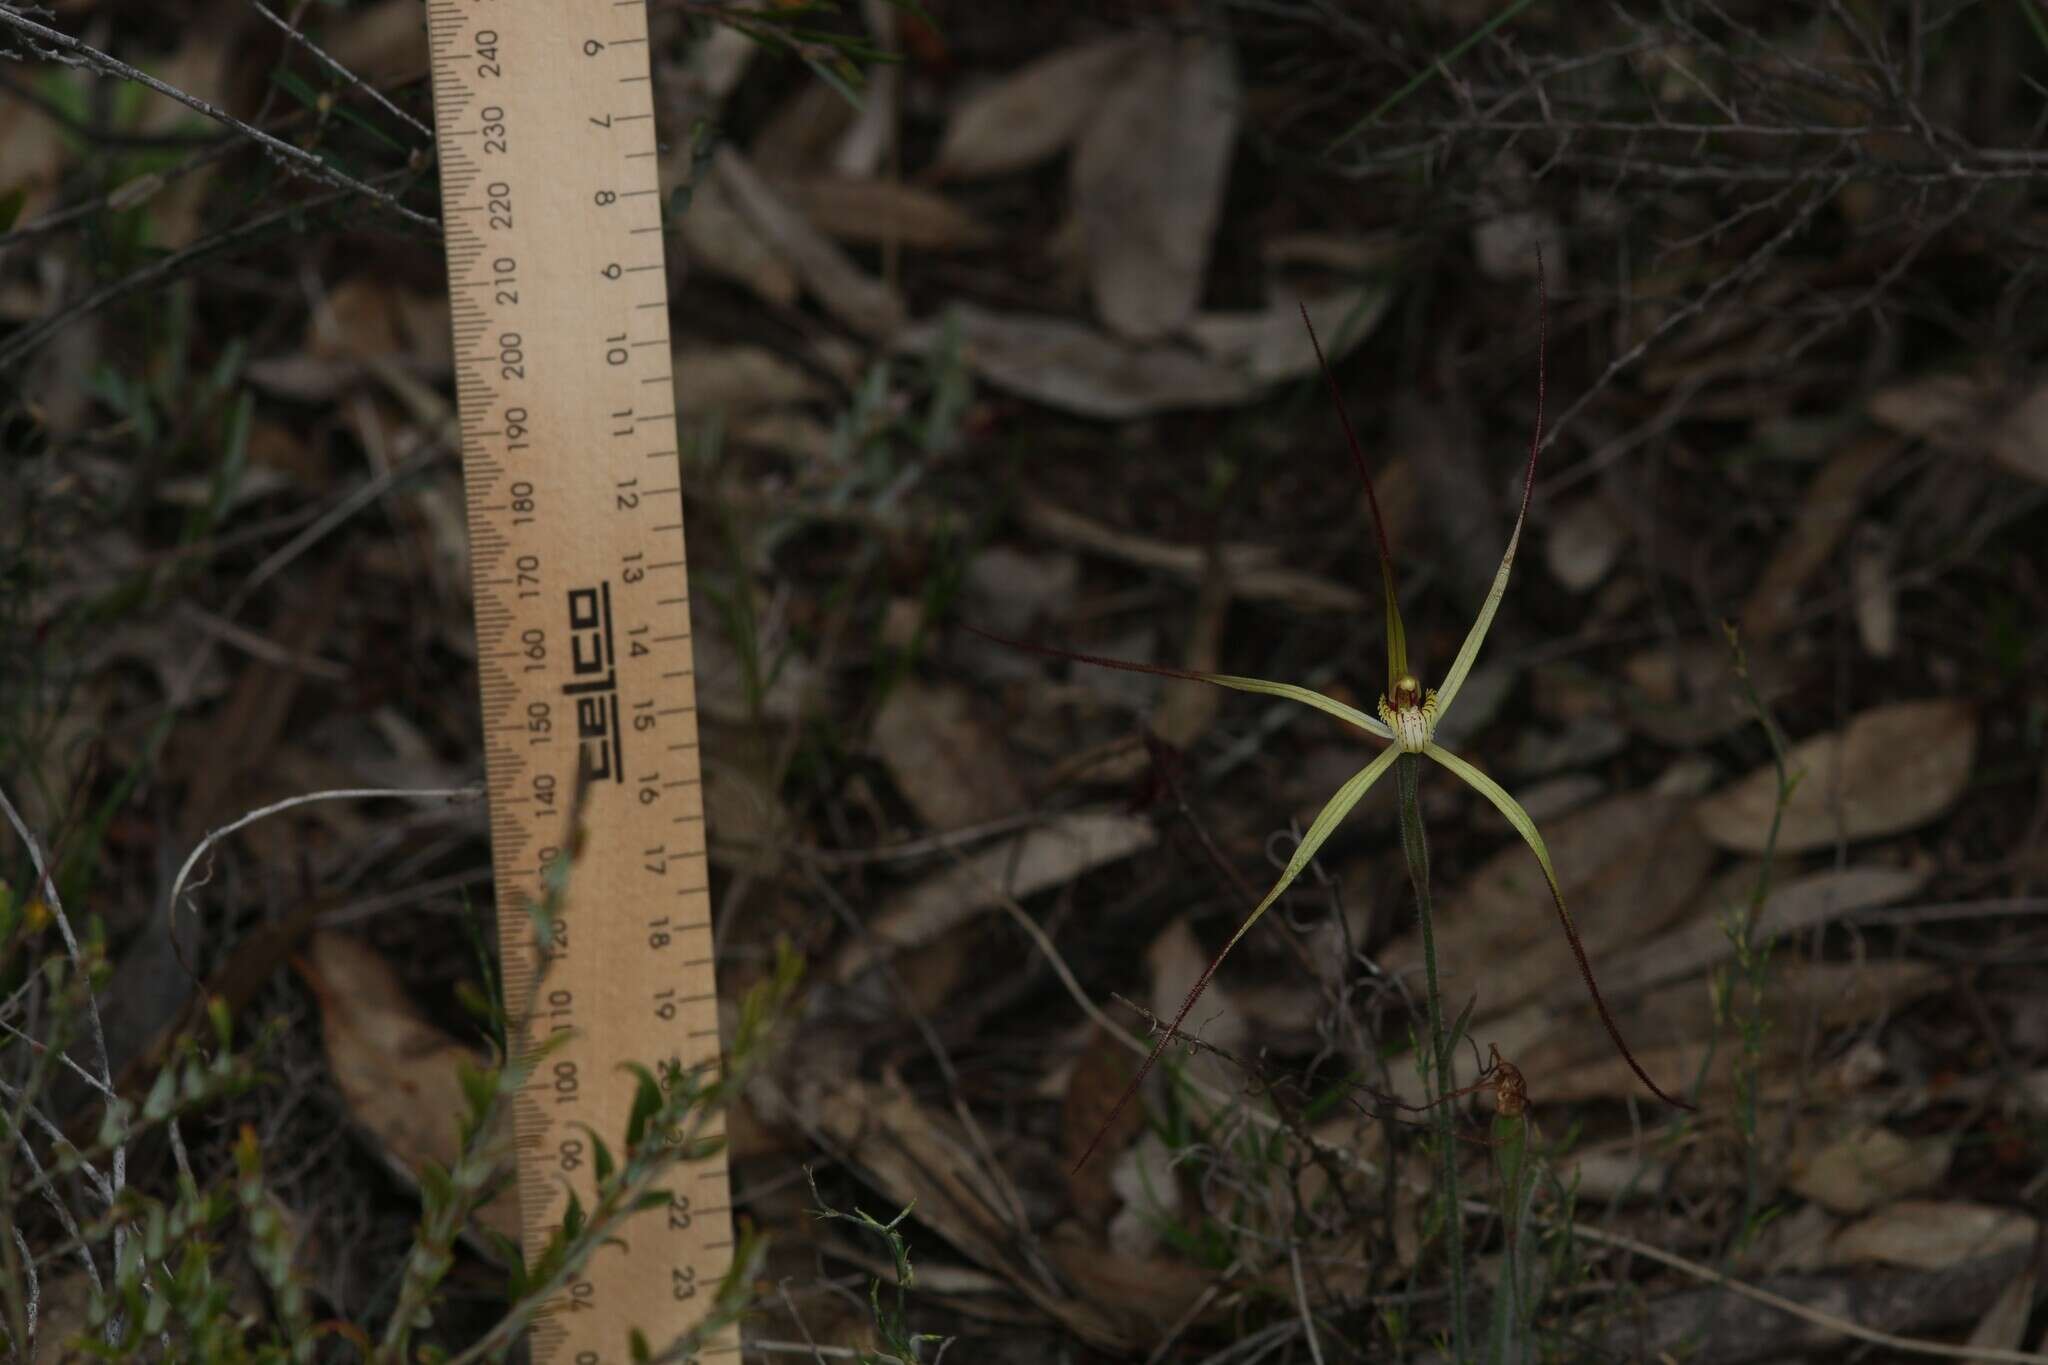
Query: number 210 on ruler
(544, 124)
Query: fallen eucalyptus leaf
(398, 1073)
(947, 763)
(1148, 182)
(1069, 365)
(1051, 855)
(1892, 768)
(1859, 1170)
(1028, 116)
(1930, 1234)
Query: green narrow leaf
(646, 1104)
(572, 1218)
(1526, 827)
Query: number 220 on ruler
(544, 124)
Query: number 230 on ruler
(544, 123)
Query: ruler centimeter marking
(543, 117)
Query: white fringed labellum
(1411, 715)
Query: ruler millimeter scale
(544, 126)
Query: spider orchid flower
(1408, 717)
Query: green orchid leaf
(1319, 832)
(1526, 827)
(1447, 690)
(1350, 715)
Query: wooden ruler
(544, 122)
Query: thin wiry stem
(303, 799)
(29, 338)
(72, 52)
(46, 884)
(293, 32)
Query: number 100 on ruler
(544, 124)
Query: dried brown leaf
(1584, 541)
(879, 212)
(949, 764)
(396, 1070)
(1094, 1086)
(1941, 407)
(1143, 1298)
(867, 305)
(381, 41)
(1855, 1172)
(720, 239)
(1894, 767)
(2004, 1324)
(738, 379)
(1051, 855)
(1870, 577)
(1566, 1058)
(1685, 692)
(1251, 569)
(1799, 904)
(1930, 1234)
(1825, 516)
(1148, 179)
(1272, 346)
(799, 136)
(1067, 365)
(2019, 440)
(1030, 115)
(913, 1155)
(1627, 865)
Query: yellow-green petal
(1319, 832)
(1447, 690)
(1526, 827)
(1350, 715)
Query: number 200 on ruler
(544, 124)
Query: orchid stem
(1438, 1069)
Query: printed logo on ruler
(544, 122)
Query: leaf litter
(800, 224)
